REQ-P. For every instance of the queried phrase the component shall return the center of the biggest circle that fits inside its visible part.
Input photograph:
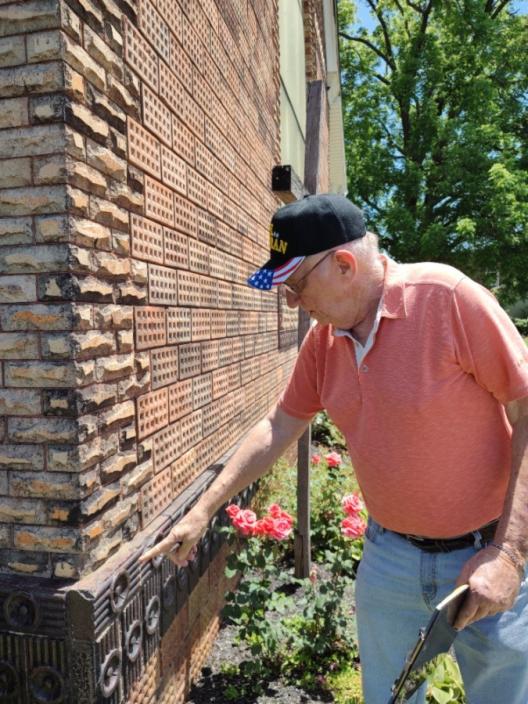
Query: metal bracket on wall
(286, 184)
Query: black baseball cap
(307, 226)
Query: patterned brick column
(137, 140)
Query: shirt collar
(392, 303)
(393, 297)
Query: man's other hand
(494, 583)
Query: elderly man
(427, 378)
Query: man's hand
(494, 583)
(181, 543)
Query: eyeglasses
(296, 288)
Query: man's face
(325, 287)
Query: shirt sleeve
(487, 343)
(300, 398)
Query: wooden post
(302, 536)
(316, 97)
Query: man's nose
(292, 299)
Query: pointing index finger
(169, 544)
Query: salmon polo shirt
(423, 413)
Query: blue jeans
(397, 588)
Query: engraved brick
(156, 495)
(192, 43)
(166, 446)
(139, 55)
(209, 356)
(173, 170)
(150, 327)
(183, 141)
(163, 285)
(207, 227)
(180, 399)
(178, 325)
(172, 14)
(176, 248)
(171, 89)
(199, 254)
(143, 148)
(185, 215)
(153, 412)
(218, 323)
(190, 360)
(180, 63)
(147, 239)
(193, 115)
(154, 28)
(202, 392)
(190, 431)
(164, 366)
(216, 203)
(159, 203)
(200, 324)
(184, 470)
(157, 116)
(189, 289)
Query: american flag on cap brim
(264, 279)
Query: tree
(436, 129)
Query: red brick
(139, 55)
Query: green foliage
(325, 433)
(298, 628)
(522, 325)
(444, 682)
(345, 685)
(435, 117)
(327, 487)
(254, 605)
(321, 637)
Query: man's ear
(346, 261)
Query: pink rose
(333, 459)
(263, 527)
(281, 529)
(244, 521)
(352, 504)
(275, 511)
(232, 510)
(316, 459)
(353, 527)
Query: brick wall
(137, 146)
(137, 139)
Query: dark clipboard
(436, 638)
